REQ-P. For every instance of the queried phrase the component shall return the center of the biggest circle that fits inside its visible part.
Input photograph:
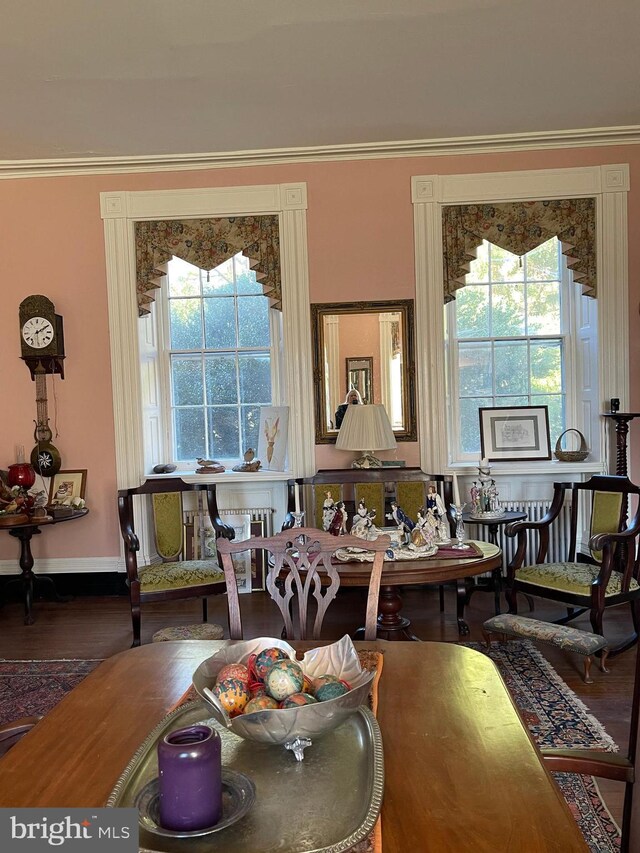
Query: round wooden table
(24, 533)
(392, 625)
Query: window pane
(253, 321)
(543, 307)
(555, 404)
(255, 378)
(479, 269)
(245, 277)
(475, 369)
(184, 319)
(220, 375)
(186, 375)
(223, 432)
(546, 367)
(506, 402)
(250, 424)
(507, 306)
(219, 282)
(542, 263)
(472, 311)
(189, 432)
(505, 266)
(184, 279)
(219, 323)
(470, 423)
(511, 367)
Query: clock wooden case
(41, 336)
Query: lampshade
(366, 428)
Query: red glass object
(21, 474)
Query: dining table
(461, 771)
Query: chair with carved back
(177, 575)
(604, 577)
(610, 765)
(302, 567)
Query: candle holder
(457, 510)
(298, 516)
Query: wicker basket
(571, 455)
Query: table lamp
(365, 429)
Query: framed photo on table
(67, 484)
(514, 434)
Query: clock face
(37, 332)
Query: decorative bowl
(293, 727)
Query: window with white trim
(516, 334)
(217, 362)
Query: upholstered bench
(563, 636)
(203, 631)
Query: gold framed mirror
(375, 342)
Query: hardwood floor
(100, 626)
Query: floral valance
(207, 243)
(519, 227)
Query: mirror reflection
(363, 353)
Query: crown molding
(500, 143)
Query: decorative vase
(190, 778)
(21, 474)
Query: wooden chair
(610, 765)
(10, 733)
(302, 568)
(606, 576)
(178, 575)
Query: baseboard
(66, 565)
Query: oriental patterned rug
(553, 713)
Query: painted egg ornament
(322, 679)
(331, 690)
(233, 670)
(307, 687)
(233, 695)
(283, 678)
(266, 658)
(260, 703)
(297, 699)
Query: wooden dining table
(461, 772)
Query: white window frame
(609, 186)
(120, 211)
(569, 297)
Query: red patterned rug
(554, 714)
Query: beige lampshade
(366, 428)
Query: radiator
(199, 534)
(559, 531)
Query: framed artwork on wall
(513, 434)
(272, 437)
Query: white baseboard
(66, 565)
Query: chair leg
(205, 610)
(512, 599)
(587, 669)
(441, 592)
(596, 620)
(135, 622)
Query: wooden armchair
(604, 577)
(178, 575)
(301, 568)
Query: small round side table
(493, 523)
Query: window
(218, 359)
(511, 341)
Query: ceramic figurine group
(484, 495)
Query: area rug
(556, 717)
(553, 713)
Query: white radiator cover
(202, 537)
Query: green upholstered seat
(574, 578)
(204, 631)
(179, 575)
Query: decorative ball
(260, 703)
(257, 691)
(233, 670)
(323, 679)
(307, 686)
(297, 699)
(233, 695)
(331, 690)
(283, 678)
(266, 658)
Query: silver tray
(324, 804)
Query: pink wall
(360, 234)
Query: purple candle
(190, 778)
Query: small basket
(571, 455)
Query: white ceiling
(90, 79)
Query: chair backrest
(302, 566)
